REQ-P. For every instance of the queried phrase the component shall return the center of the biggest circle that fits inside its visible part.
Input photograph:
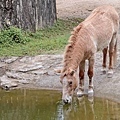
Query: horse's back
(102, 14)
(100, 25)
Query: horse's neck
(77, 57)
(74, 52)
(76, 61)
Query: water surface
(46, 105)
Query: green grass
(50, 40)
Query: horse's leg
(104, 60)
(81, 79)
(112, 54)
(90, 75)
(115, 54)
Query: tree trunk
(27, 14)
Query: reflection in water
(45, 105)
(89, 108)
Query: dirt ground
(39, 71)
(81, 8)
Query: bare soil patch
(81, 8)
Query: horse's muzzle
(67, 99)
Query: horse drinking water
(97, 32)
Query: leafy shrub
(12, 35)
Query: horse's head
(69, 82)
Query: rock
(25, 59)
(89, 10)
(2, 64)
(19, 76)
(23, 81)
(6, 83)
(9, 60)
(7, 86)
(41, 72)
(2, 71)
(57, 70)
(51, 73)
(13, 75)
(28, 68)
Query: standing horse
(97, 32)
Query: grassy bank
(47, 41)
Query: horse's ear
(72, 72)
(62, 76)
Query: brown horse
(97, 32)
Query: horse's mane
(70, 47)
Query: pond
(46, 105)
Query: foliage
(12, 35)
(49, 40)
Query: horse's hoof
(110, 74)
(90, 92)
(80, 93)
(103, 71)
